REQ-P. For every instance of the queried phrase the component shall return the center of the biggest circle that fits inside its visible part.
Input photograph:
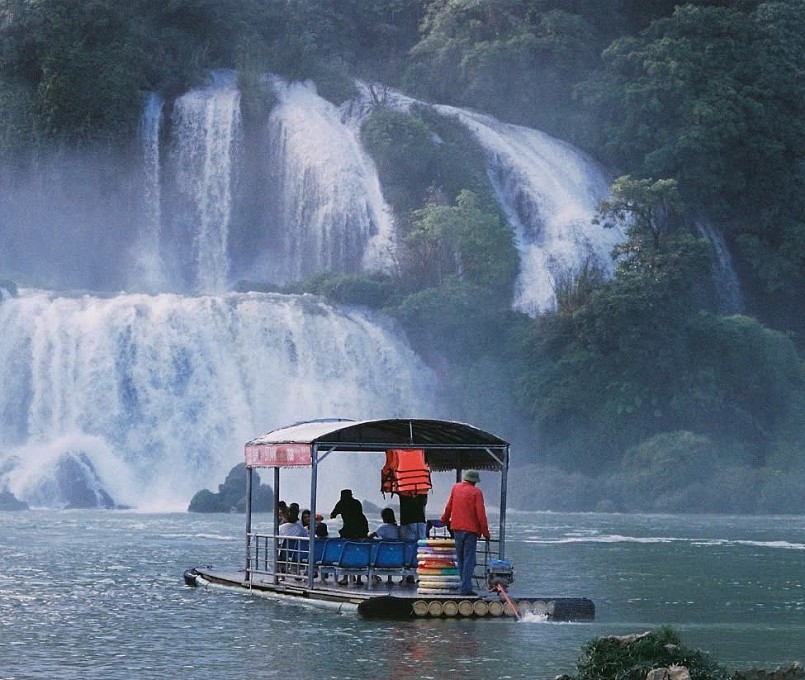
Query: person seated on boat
(351, 510)
(388, 531)
(321, 527)
(321, 532)
(290, 549)
(355, 526)
(291, 526)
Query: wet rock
(792, 672)
(627, 639)
(71, 482)
(369, 507)
(9, 502)
(669, 673)
(231, 496)
(78, 483)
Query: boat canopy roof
(447, 445)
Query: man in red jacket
(465, 514)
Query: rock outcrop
(794, 671)
(231, 496)
(8, 501)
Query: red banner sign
(278, 455)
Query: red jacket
(465, 509)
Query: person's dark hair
(387, 515)
(293, 515)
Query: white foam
(161, 392)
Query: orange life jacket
(405, 473)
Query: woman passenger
(388, 531)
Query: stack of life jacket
(405, 473)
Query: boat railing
(275, 555)
(279, 557)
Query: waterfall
(148, 271)
(725, 279)
(549, 192)
(332, 211)
(207, 133)
(159, 393)
(149, 396)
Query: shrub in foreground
(632, 657)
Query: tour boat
(399, 579)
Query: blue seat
(356, 556)
(319, 550)
(410, 555)
(330, 555)
(390, 555)
(388, 558)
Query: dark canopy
(448, 445)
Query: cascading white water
(549, 192)
(725, 279)
(207, 133)
(148, 271)
(161, 392)
(331, 204)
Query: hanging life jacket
(405, 473)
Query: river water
(100, 594)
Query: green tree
(404, 151)
(600, 370)
(89, 61)
(639, 355)
(742, 382)
(713, 97)
(507, 57)
(465, 240)
(658, 266)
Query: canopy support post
(275, 542)
(504, 475)
(311, 553)
(249, 475)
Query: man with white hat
(465, 514)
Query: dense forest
(638, 392)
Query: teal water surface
(98, 594)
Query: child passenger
(388, 531)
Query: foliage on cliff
(700, 105)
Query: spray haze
(152, 392)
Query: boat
(400, 579)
